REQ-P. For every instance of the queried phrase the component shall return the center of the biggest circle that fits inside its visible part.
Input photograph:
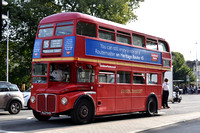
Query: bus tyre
(83, 112)
(14, 107)
(151, 107)
(40, 117)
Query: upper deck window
(46, 31)
(151, 44)
(138, 40)
(106, 33)
(123, 37)
(162, 46)
(86, 29)
(64, 28)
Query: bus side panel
(138, 97)
(105, 99)
(123, 97)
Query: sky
(177, 21)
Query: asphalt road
(178, 114)
(182, 127)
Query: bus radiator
(46, 103)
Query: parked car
(27, 95)
(11, 98)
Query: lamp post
(197, 68)
(7, 60)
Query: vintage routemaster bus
(85, 66)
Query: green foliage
(25, 16)
(180, 70)
(24, 19)
(120, 11)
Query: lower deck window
(123, 77)
(106, 77)
(152, 78)
(139, 78)
(85, 75)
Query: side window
(152, 78)
(138, 78)
(4, 88)
(86, 29)
(151, 44)
(106, 33)
(85, 74)
(13, 88)
(123, 37)
(123, 77)
(162, 46)
(106, 77)
(138, 40)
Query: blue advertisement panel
(115, 51)
(37, 48)
(69, 45)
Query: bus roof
(59, 17)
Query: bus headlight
(33, 99)
(64, 100)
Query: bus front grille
(46, 103)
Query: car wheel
(40, 117)
(83, 112)
(14, 107)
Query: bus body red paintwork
(107, 98)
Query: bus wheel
(83, 112)
(151, 107)
(40, 117)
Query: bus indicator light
(68, 52)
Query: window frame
(107, 30)
(152, 41)
(135, 75)
(148, 81)
(124, 34)
(124, 74)
(106, 72)
(138, 36)
(87, 29)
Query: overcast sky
(177, 21)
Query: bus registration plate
(45, 113)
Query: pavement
(128, 125)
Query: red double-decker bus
(85, 66)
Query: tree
(25, 16)
(180, 70)
(120, 11)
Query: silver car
(11, 99)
